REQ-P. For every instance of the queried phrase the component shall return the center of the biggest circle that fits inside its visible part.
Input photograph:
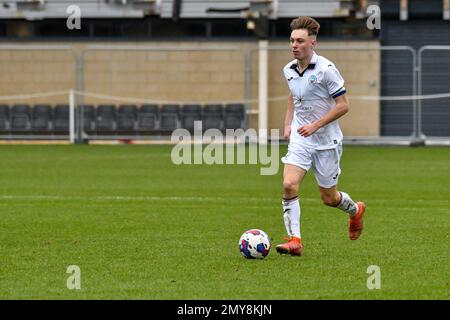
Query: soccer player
(316, 102)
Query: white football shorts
(324, 163)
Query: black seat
(212, 116)
(189, 114)
(147, 117)
(61, 118)
(106, 118)
(20, 117)
(127, 117)
(234, 116)
(41, 118)
(4, 117)
(87, 113)
(170, 117)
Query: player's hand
(287, 132)
(308, 129)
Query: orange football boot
(293, 246)
(355, 223)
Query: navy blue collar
(294, 66)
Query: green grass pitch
(140, 227)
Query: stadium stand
(189, 114)
(61, 118)
(50, 9)
(88, 116)
(41, 118)
(127, 116)
(144, 71)
(20, 117)
(234, 116)
(106, 118)
(170, 117)
(4, 117)
(228, 8)
(148, 117)
(213, 117)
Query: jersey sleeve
(286, 75)
(334, 82)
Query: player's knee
(290, 187)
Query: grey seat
(189, 114)
(4, 117)
(170, 117)
(61, 118)
(20, 117)
(234, 116)
(106, 118)
(87, 113)
(148, 117)
(41, 117)
(212, 116)
(127, 118)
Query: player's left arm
(341, 108)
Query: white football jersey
(314, 91)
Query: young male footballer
(317, 100)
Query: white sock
(347, 204)
(291, 215)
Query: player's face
(302, 45)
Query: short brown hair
(307, 23)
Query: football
(254, 244)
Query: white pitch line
(136, 198)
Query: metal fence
(434, 81)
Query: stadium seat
(234, 116)
(127, 118)
(61, 118)
(4, 117)
(212, 116)
(87, 113)
(41, 117)
(189, 114)
(106, 118)
(170, 117)
(20, 117)
(147, 117)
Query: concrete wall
(36, 71)
(175, 72)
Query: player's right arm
(288, 118)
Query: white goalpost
(71, 116)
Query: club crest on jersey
(312, 78)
